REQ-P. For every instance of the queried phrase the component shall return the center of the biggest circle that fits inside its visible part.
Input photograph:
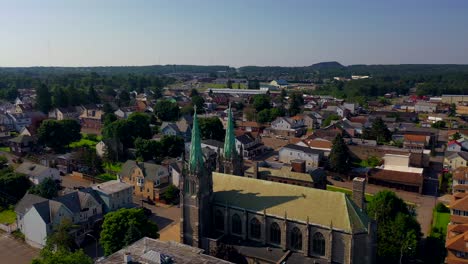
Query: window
(219, 220)
(236, 224)
(255, 228)
(296, 239)
(275, 233)
(194, 188)
(186, 186)
(318, 244)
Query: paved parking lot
(14, 251)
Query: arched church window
(236, 224)
(219, 220)
(255, 228)
(275, 233)
(318, 244)
(296, 239)
(186, 186)
(193, 186)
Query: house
(124, 112)
(397, 173)
(91, 117)
(425, 107)
(149, 180)
(292, 152)
(61, 113)
(456, 243)
(19, 120)
(456, 159)
(280, 83)
(460, 180)
(21, 145)
(114, 195)
(6, 121)
(415, 141)
(37, 173)
(454, 146)
(351, 107)
(249, 126)
(288, 126)
(4, 133)
(317, 144)
(37, 217)
(251, 146)
(149, 250)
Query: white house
(289, 126)
(37, 173)
(19, 120)
(114, 195)
(425, 107)
(291, 152)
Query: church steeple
(196, 155)
(230, 139)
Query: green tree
(107, 108)
(109, 118)
(328, 120)
(93, 96)
(171, 194)
(212, 128)
(123, 227)
(264, 116)
(173, 145)
(228, 253)
(339, 155)
(261, 102)
(43, 98)
(456, 136)
(60, 238)
(124, 98)
(63, 257)
(60, 97)
(398, 231)
(58, 134)
(3, 162)
(194, 92)
(71, 129)
(47, 189)
(145, 149)
(229, 84)
(199, 102)
(438, 124)
(109, 91)
(141, 126)
(378, 131)
(166, 110)
(14, 185)
(452, 110)
(296, 101)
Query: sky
(234, 32)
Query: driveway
(15, 251)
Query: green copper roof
(230, 140)
(196, 155)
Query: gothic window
(255, 228)
(275, 233)
(236, 224)
(296, 239)
(194, 188)
(318, 244)
(219, 220)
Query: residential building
(149, 180)
(457, 244)
(249, 145)
(415, 141)
(4, 133)
(149, 250)
(36, 172)
(288, 126)
(425, 107)
(19, 120)
(455, 160)
(249, 126)
(291, 152)
(460, 180)
(91, 117)
(61, 113)
(280, 83)
(317, 144)
(114, 195)
(124, 112)
(21, 145)
(454, 146)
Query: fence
(8, 228)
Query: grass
(347, 192)
(114, 167)
(5, 149)
(7, 216)
(440, 220)
(106, 177)
(87, 140)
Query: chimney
(359, 190)
(255, 169)
(127, 258)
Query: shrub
(441, 208)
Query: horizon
(296, 33)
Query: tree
(3, 162)
(253, 84)
(93, 96)
(452, 110)
(71, 129)
(171, 194)
(43, 98)
(199, 102)
(145, 149)
(166, 110)
(295, 104)
(339, 155)
(13, 185)
(264, 116)
(438, 124)
(229, 253)
(229, 84)
(124, 98)
(194, 92)
(456, 136)
(261, 101)
(328, 120)
(48, 189)
(173, 145)
(58, 134)
(212, 128)
(63, 257)
(398, 231)
(107, 108)
(141, 126)
(109, 91)
(284, 93)
(123, 227)
(109, 118)
(378, 132)
(60, 239)
(60, 97)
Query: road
(15, 251)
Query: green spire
(230, 140)
(196, 155)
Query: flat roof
(110, 187)
(401, 168)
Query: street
(15, 251)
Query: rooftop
(298, 203)
(284, 172)
(111, 187)
(148, 250)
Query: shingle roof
(320, 207)
(397, 176)
(461, 173)
(27, 202)
(303, 149)
(31, 169)
(149, 169)
(246, 138)
(21, 139)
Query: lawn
(5, 149)
(115, 167)
(86, 140)
(7, 216)
(347, 191)
(440, 220)
(106, 177)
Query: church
(269, 222)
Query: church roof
(319, 207)
(196, 155)
(230, 139)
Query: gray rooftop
(111, 187)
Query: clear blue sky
(234, 32)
